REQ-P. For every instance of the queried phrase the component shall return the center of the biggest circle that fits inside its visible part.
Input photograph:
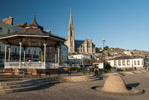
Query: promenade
(81, 91)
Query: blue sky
(122, 23)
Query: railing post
(20, 54)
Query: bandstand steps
(26, 81)
(20, 85)
(25, 86)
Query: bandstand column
(55, 58)
(9, 50)
(58, 54)
(32, 54)
(20, 54)
(5, 54)
(42, 54)
(45, 55)
(24, 54)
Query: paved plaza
(81, 91)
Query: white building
(79, 59)
(127, 62)
(99, 64)
(79, 56)
(128, 53)
(7, 27)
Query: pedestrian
(96, 72)
(69, 72)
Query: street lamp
(103, 54)
(103, 43)
(103, 47)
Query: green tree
(106, 48)
(107, 67)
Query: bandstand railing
(52, 65)
(11, 64)
(32, 65)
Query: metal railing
(32, 65)
(52, 65)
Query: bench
(52, 71)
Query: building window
(119, 62)
(1, 29)
(138, 62)
(71, 44)
(39, 52)
(8, 31)
(123, 62)
(50, 48)
(128, 62)
(115, 62)
(135, 63)
(83, 49)
(35, 52)
(89, 46)
(71, 33)
(15, 50)
(7, 49)
(29, 51)
(22, 51)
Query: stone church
(78, 46)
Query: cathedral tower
(70, 39)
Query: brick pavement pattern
(81, 91)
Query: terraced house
(7, 27)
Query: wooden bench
(52, 71)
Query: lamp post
(103, 53)
(103, 43)
(103, 47)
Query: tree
(106, 48)
(107, 67)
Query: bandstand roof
(32, 36)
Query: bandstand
(32, 36)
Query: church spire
(70, 20)
(70, 39)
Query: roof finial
(34, 23)
(34, 19)
(34, 14)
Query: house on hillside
(128, 62)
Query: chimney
(8, 21)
